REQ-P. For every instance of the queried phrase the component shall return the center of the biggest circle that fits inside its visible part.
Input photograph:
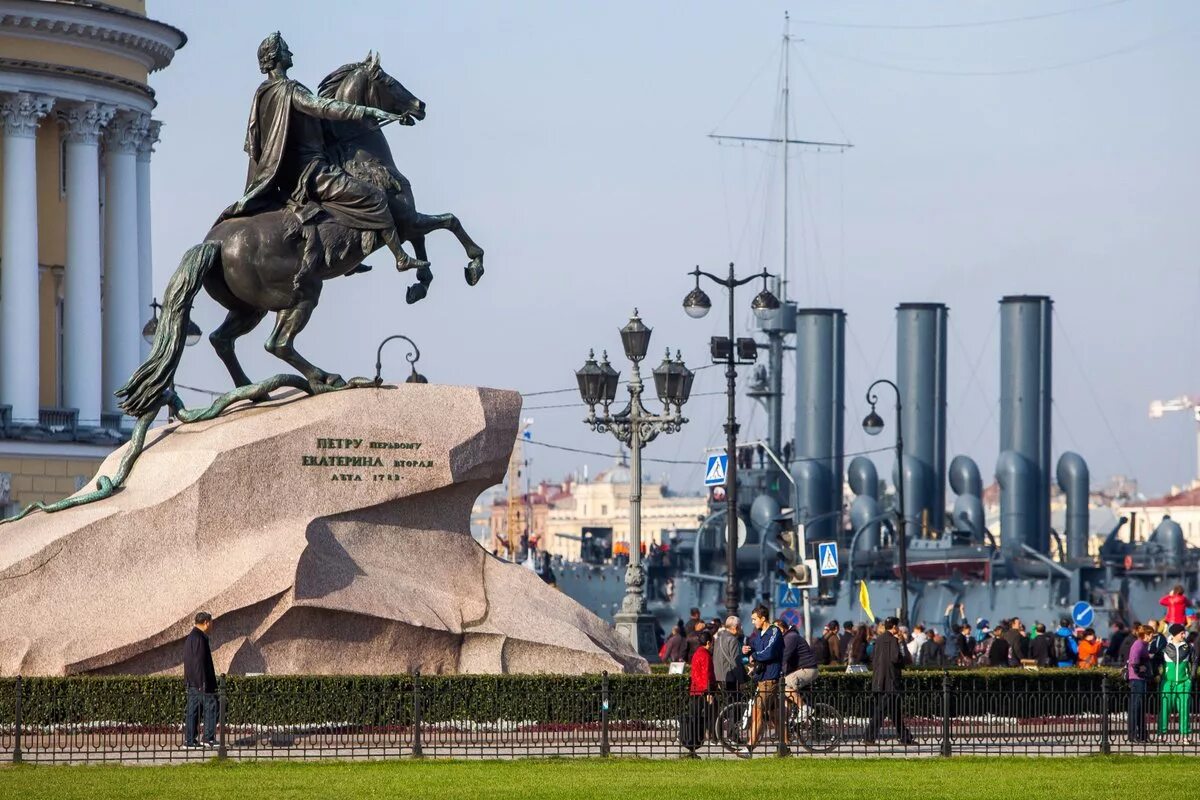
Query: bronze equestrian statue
(322, 194)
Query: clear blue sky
(571, 140)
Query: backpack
(1062, 650)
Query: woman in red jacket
(1176, 605)
(697, 720)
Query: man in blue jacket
(768, 663)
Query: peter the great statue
(322, 193)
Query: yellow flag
(864, 600)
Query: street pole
(902, 526)
(873, 425)
(636, 427)
(697, 304)
(731, 432)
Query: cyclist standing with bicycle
(799, 663)
(768, 665)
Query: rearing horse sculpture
(255, 264)
(252, 265)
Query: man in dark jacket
(1041, 649)
(799, 663)
(1016, 642)
(887, 659)
(201, 681)
(675, 648)
(933, 652)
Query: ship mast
(776, 332)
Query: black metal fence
(52, 723)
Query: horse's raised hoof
(415, 292)
(474, 271)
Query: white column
(121, 316)
(145, 259)
(82, 333)
(19, 319)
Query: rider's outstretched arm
(308, 103)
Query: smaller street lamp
(191, 333)
(873, 425)
(635, 427)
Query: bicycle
(817, 727)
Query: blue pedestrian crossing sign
(1083, 614)
(787, 596)
(827, 558)
(714, 471)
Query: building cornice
(88, 75)
(98, 26)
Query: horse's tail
(144, 391)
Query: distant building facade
(75, 268)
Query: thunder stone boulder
(327, 534)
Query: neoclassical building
(75, 267)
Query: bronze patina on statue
(322, 193)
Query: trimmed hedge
(389, 700)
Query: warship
(1017, 564)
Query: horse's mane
(329, 86)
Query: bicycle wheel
(821, 730)
(733, 725)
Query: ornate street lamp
(191, 333)
(635, 427)
(873, 425)
(731, 352)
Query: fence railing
(57, 723)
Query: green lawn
(837, 779)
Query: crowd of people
(1155, 656)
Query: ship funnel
(820, 400)
(967, 483)
(1072, 474)
(1023, 469)
(921, 377)
(864, 482)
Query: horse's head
(366, 84)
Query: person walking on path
(1178, 664)
(887, 660)
(1137, 671)
(201, 681)
(1176, 603)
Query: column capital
(124, 133)
(146, 145)
(21, 112)
(82, 122)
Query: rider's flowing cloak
(350, 201)
(266, 139)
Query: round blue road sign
(1083, 614)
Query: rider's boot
(404, 261)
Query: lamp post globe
(764, 305)
(697, 304)
(873, 424)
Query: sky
(1054, 154)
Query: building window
(603, 510)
